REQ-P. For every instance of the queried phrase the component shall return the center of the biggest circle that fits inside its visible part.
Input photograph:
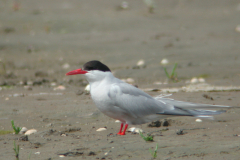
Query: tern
(130, 105)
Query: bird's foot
(121, 133)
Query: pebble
(136, 130)
(23, 130)
(124, 5)
(194, 80)
(155, 124)
(198, 120)
(7, 99)
(130, 80)
(31, 131)
(141, 62)
(201, 80)
(164, 61)
(101, 129)
(61, 88)
(117, 121)
(61, 156)
(37, 153)
(87, 88)
(165, 123)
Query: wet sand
(41, 41)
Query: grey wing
(189, 105)
(190, 109)
(134, 101)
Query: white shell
(194, 80)
(124, 5)
(164, 61)
(117, 121)
(141, 62)
(31, 131)
(59, 88)
(198, 120)
(133, 129)
(61, 156)
(201, 80)
(130, 80)
(23, 130)
(87, 88)
(101, 129)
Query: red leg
(120, 131)
(123, 133)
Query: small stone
(23, 130)
(135, 130)
(165, 123)
(201, 80)
(141, 63)
(155, 124)
(59, 88)
(117, 121)
(87, 88)
(198, 120)
(101, 129)
(61, 156)
(31, 131)
(194, 80)
(164, 61)
(7, 99)
(180, 132)
(130, 80)
(124, 5)
(23, 138)
(37, 153)
(91, 153)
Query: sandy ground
(42, 40)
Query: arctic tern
(130, 105)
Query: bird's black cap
(95, 65)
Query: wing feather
(133, 100)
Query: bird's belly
(112, 111)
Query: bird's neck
(94, 83)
